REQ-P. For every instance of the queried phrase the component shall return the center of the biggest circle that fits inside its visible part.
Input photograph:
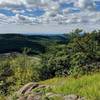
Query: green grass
(87, 86)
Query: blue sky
(48, 15)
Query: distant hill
(38, 43)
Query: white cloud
(86, 4)
(23, 2)
(53, 15)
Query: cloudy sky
(48, 16)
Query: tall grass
(87, 86)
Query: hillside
(68, 67)
(38, 43)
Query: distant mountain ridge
(38, 43)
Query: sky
(48, 16)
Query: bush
(74, 58)
(18, 71)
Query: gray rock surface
(27, 93)
(73, 97)
(27, 88)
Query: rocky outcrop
(26, 93)
(27, 88)
(35, 91)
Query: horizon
(32, 33)
(47, 29)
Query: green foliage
(55, 63)
(18, 71)
(77, 56)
